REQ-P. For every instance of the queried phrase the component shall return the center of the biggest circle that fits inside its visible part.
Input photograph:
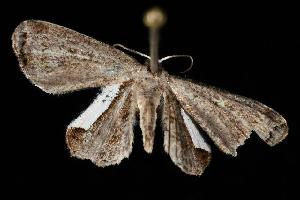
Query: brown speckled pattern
(59, 60)
(228, 119)
(177, 141)
(110, 137)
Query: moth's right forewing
(228, 119)
(59, 60)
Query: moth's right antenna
(154, 19)
(179, 56)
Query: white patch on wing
(197, 138)
(99, 106)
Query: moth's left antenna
(154, 19)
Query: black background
(252, 50)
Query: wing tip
(74, 139)
(19, 34)
(19, 38)
(277, 134)
(196, 168)
(205, 160)
(19, 41)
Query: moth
(59, 60)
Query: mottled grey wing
(59, 60)
(104, 132)
(182, 140)
(228, 119)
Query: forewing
(104, 132)
(182, 140)
(228, 119)
(59, 60)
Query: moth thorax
(148, 65)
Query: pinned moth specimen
(60, 60)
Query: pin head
(154, 18)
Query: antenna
(154, 19)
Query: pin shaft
(153, 40)
(154, 19)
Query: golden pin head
(154, 18)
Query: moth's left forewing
(182, 140)
(59, 60)
(228, 119)
(104, 132)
